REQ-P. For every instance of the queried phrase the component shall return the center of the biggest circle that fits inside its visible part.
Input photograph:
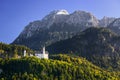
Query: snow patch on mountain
(62, 12)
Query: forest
(58, 67)
(13, 51)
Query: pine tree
(15, 53)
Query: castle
(39, 54)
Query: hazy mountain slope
(99, 45)
(105, 21)
(115, 26)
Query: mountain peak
(79, 11)
(105, 21)
(82, 12)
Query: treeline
(8, 51)
(60, 67)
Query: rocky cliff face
(115, 26)
(105, 21)
(83, 18)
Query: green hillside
(60, 67)
(9, 51)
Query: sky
(16, 14)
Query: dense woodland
(8, 51)
(59, 67)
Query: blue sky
(16, 14)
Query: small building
(42, 54)
(39, 54)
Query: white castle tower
(43, 54)
(44, 50)
(24, 53)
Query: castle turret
(24, 52)
(44, 50)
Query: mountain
(111, 23)
(57, 25)
(99, 45)
(115, 26)
(105, 21)
(59, 67)
(60, 25)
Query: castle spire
(44, 50)
(24, 52)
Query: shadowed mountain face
(99, 45)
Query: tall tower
(44, 50)
(24, 52)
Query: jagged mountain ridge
(58, 25)
(55, 17)
(115, 26)
(105, 21)
(99, 45)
